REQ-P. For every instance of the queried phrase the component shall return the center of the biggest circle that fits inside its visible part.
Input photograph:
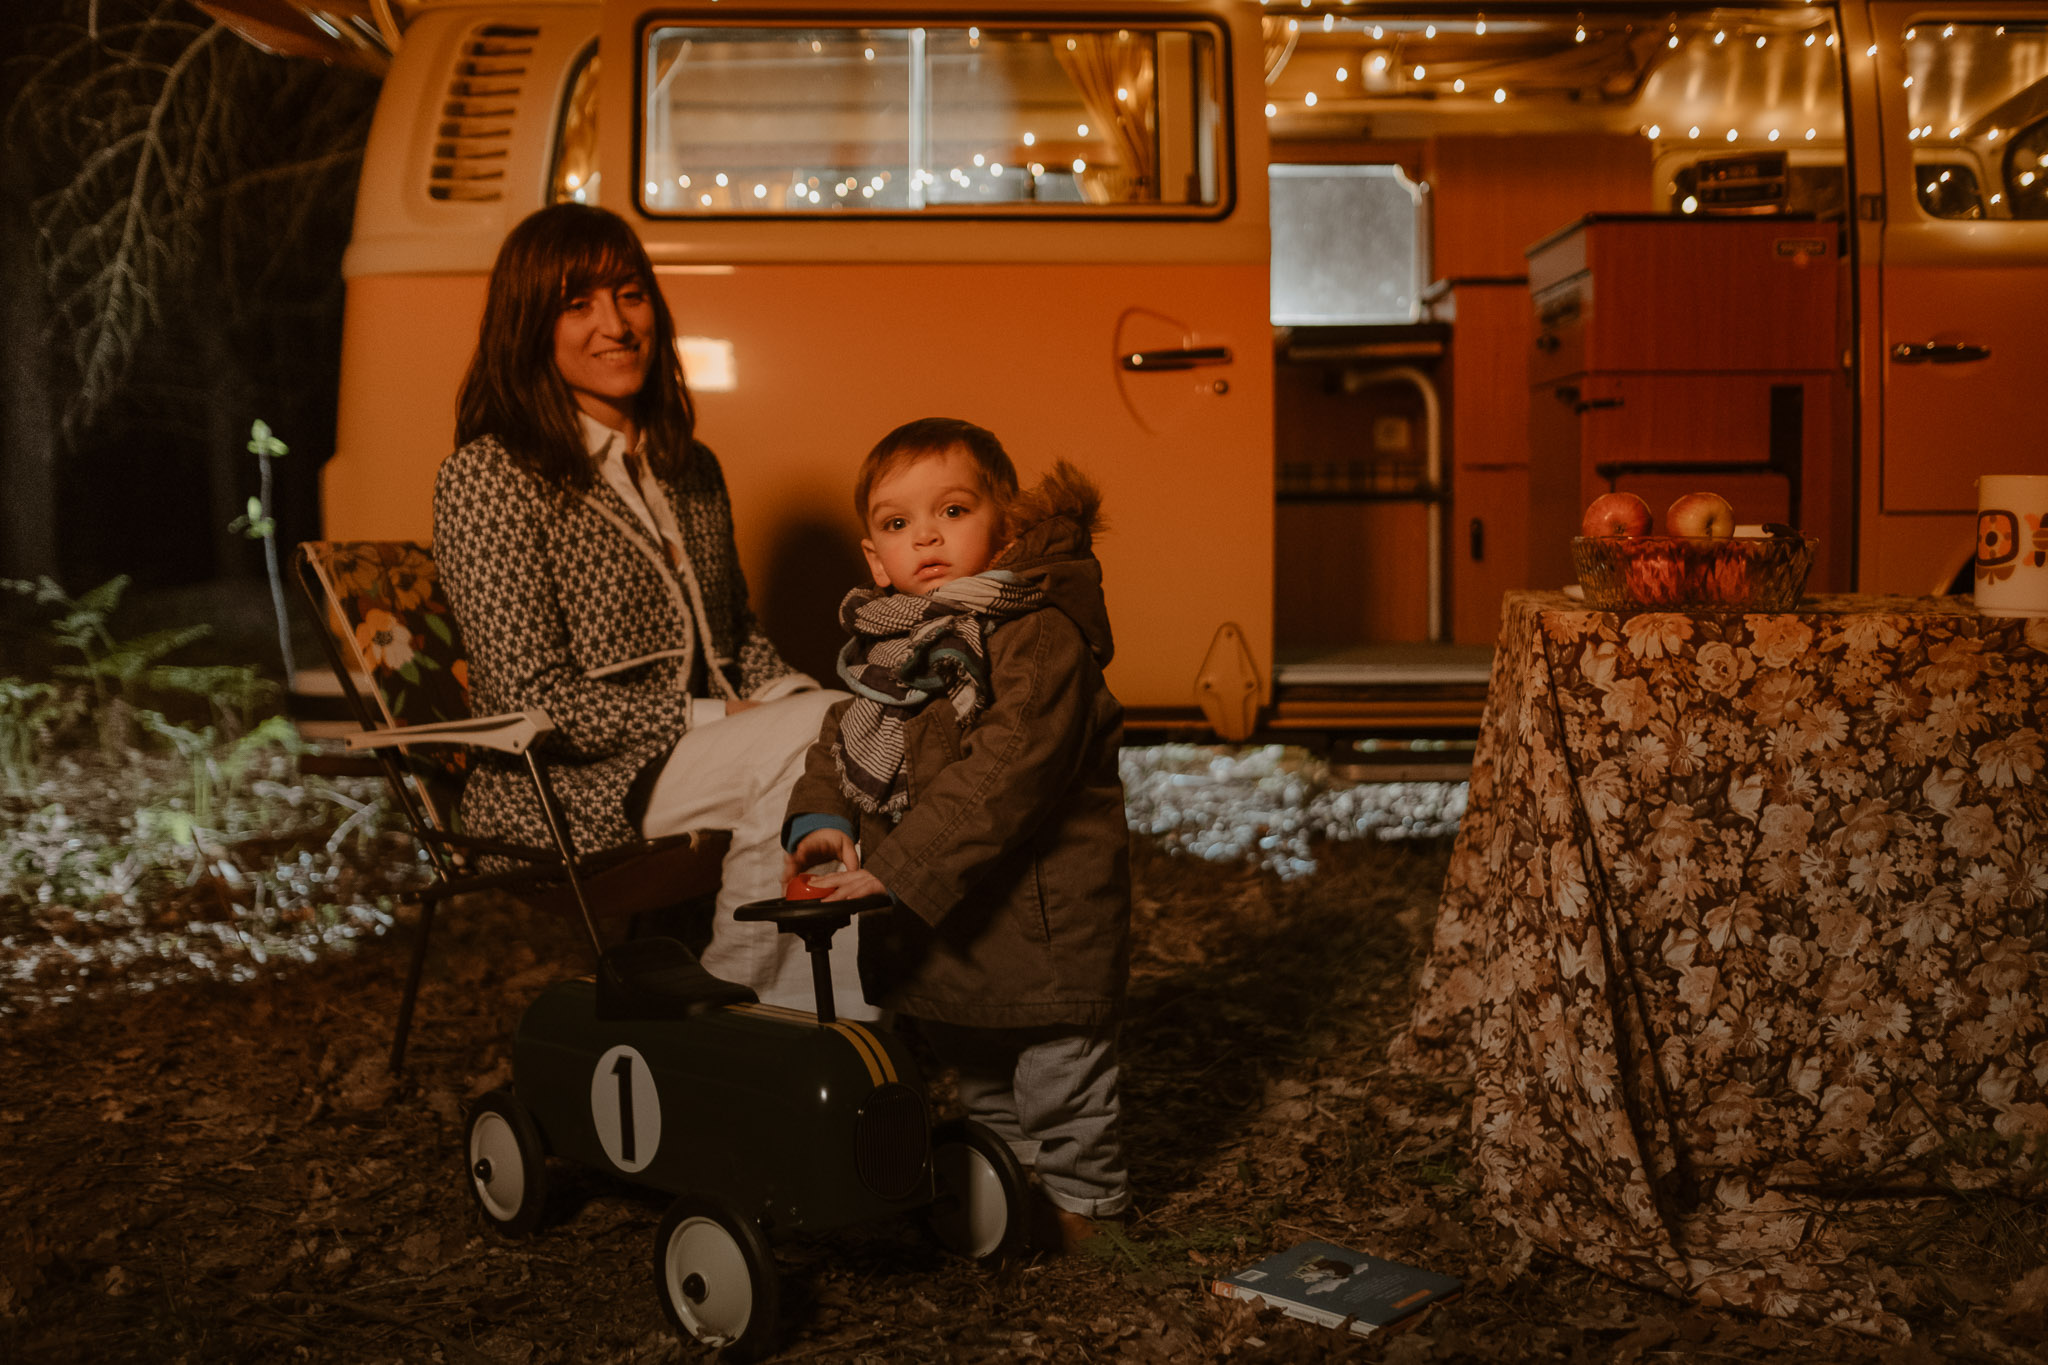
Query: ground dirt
(224, 1171)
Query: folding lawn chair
(391, 639)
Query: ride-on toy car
(762, 1121)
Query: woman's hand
(846, 885)
(822, 846)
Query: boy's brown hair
(936, 436)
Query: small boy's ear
(881, 574)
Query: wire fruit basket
(1693, 573)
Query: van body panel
(827, 359)
(400, 226)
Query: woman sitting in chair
(585, 539)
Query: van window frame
(1226, 102)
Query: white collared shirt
(644, 498)
(650, 505)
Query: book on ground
(1335, 1286)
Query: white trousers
(736, 774)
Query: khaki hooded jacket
(1012, 863)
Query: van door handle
(1939, 352)
(1184, 358)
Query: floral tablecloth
(1748, 912)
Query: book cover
(1335, 1286)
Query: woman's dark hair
(513, 390)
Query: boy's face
(929, 522)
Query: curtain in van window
(1104, 66)
(1280, 35)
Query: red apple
(1700, 514)
(1616, 514)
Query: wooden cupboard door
(1489, 547)
(1554, 503)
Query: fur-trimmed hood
(1052, 535)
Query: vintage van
(1349, 306)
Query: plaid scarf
(906, 650)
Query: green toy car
(762, 1121)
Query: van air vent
(473, 139)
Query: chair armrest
(510, 734)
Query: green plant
(218, 768)
(258, 524)
(27, 711)
(81, 625)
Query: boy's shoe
(1060, 1231)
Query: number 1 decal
(625, 1109)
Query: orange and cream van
(1349, 306)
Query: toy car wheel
(716, 1278)
(980, 1207)
(508, 1170)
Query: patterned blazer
(567, 603)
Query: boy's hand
(847, 885)
(821, 846)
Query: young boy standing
(973, 777)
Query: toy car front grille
(891, 1141)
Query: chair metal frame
(637, 877)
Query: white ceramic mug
(2012, 545)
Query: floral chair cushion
(397, 629)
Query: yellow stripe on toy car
(872, 1051)
(866, 1046)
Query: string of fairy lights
(1422, 57)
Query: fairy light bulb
(1480, 27)
(1773, 135)
(1500, 96)
(1693, 131)
(1309, 99)
(1342, 74)
(1420, 73)
(1271, 110)
(1720, 38)
(1654, 130)
(721, 180)
(1458, 85)
(1079, 165)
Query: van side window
(572, 173)
(987, 119)
(1975, 95)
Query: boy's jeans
(1051, 1093)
